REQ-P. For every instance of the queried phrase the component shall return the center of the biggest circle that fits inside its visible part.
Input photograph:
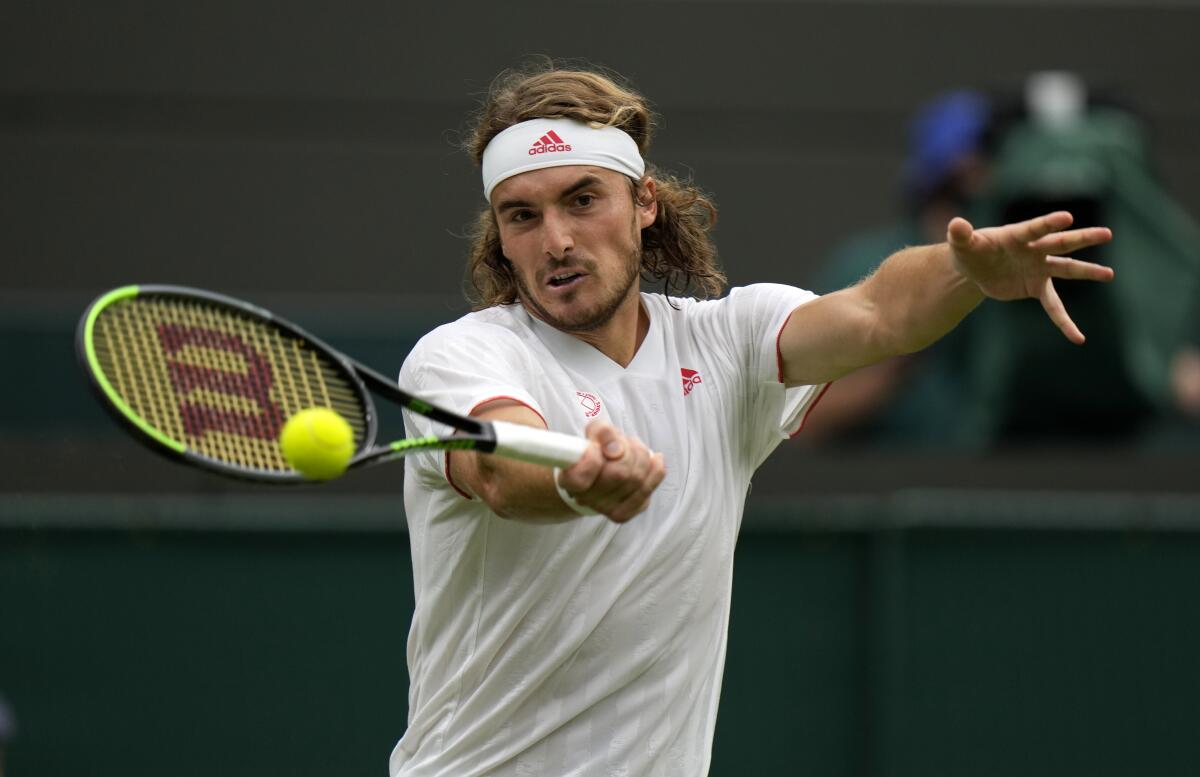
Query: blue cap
(943, 132)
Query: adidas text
(539, 149)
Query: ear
(646, 202)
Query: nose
(557, 240)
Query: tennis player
(575, 622)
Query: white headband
(538, 143)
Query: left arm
(919, 294)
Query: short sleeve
(746, 326)
(461, 366)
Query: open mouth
(562, 279)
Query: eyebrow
(587, 180)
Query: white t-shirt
(588, 647)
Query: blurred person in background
(1071, 151)
(902, 401)
(995, 380)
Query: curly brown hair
(676, 249)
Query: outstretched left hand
(1021, 260)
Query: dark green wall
(968, 651)
(143, 653)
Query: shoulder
(740, 301)
(497, 326)
(491, 334)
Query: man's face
(574, 237)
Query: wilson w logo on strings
(188, 379)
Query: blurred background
(980, 560)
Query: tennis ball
(318, 443)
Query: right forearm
(614, 477)
(514, 489)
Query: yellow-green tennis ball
(318, 443)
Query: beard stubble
(602, 312)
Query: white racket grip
(538, 446)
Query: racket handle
(538, 446)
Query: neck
(621, 336)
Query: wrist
(569, 500)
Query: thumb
(959, 233)
(581, 475)
(607, 437)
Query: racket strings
(219, 381)
(122, 346)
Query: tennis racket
(210, 380)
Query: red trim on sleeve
(807, 412)
(450, 480)
(513, 399)
(446, 456)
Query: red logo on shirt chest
(589, 402)
(691, 379)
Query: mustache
(574, 264)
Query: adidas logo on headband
(509, 153)
(548, 143)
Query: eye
(520, 215)
(585, 200)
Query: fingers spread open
(1041, 226)
(1071, 241)
(1058, 313)
(1073, 269)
